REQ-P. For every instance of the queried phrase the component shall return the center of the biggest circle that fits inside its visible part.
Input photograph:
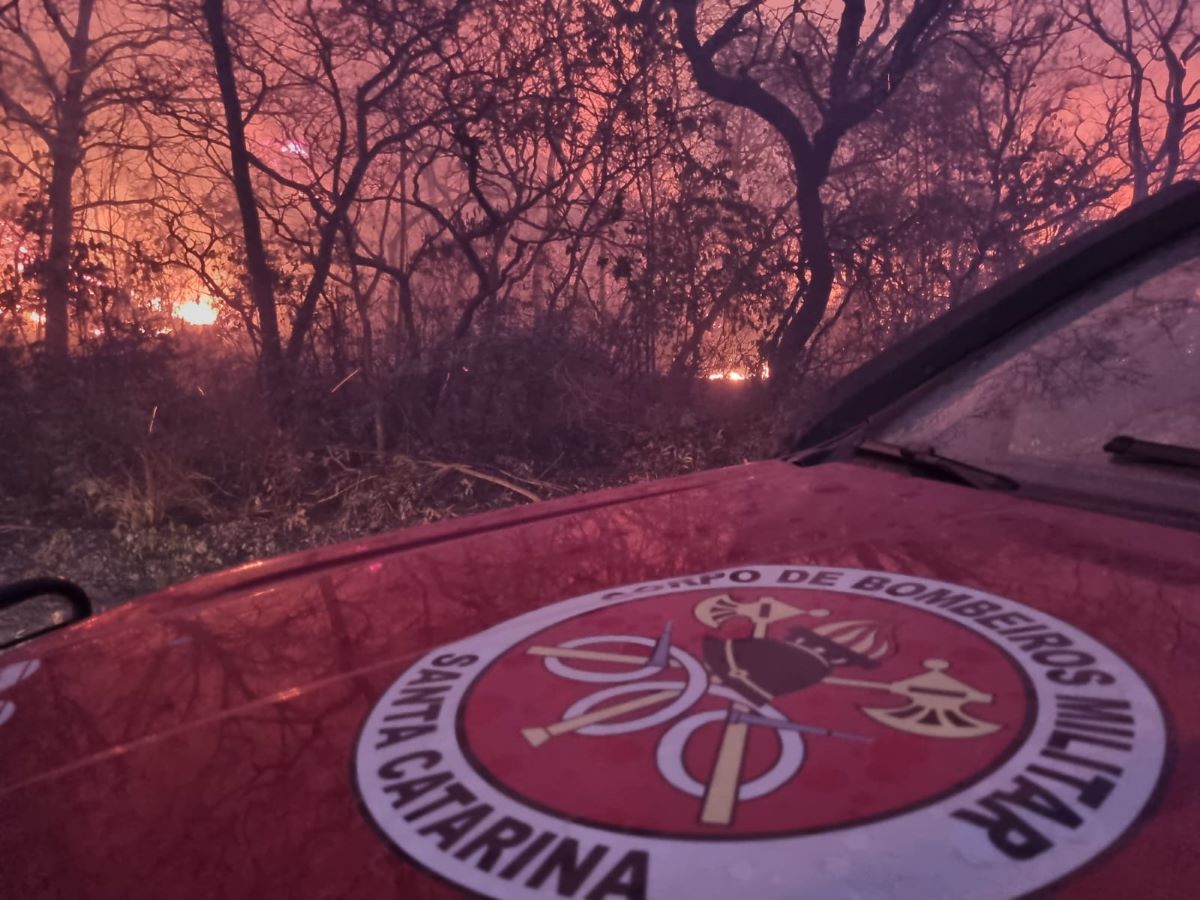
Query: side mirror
(18, 592)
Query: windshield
(1120, 358)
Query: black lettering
(450, 830)
(1080, 678)
(421, 695)
(1096, 709)
(942, 597)
(456, 793)
(1066, 658)
(626, 879)
(501, 835)
(564, 859)
(1068, 722)
(1023, 629)
(871, 583)
(1082, 714)
(401, 733)
(1092, 792)
(1008, 832)
(1032, 796)
(744, 576)
(793, 576)
(407, 791)
(433, 675)
(905, 589)
(826, 578)
(1031, 642)
(977, 608)
(448, 660)
(428, 714)
(1083, 761)
(526, 856)
(1003, 620)
(389, 770)
(1062, 740)
(696, 581)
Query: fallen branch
(337, 387)
(355, 485)
(549, 486)
(484, 476)
(7, 528)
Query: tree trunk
(405, 299)
(260, 283)
(57, 282)
(323, 260)
(817, 264)
(66, 154)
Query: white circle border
(918, 853)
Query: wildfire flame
(735, 375)
(200, 311)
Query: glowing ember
(726, 376)
(197, 312)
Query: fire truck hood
(202, 741)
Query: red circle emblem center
(744, 712)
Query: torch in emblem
(761, 668)
(749, 672)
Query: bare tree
(1153, 119)
(61, 70)
(259, 277)
(304, 120)
(812, 77)
(980, 162)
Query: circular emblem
(763, 731)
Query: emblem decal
(754, 731)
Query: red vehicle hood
(200, 741)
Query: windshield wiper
(931, 463)
(1133, 450)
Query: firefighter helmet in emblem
(749, 731)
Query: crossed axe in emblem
(934, 704)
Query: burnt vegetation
(278, 273)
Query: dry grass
(145, 471)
